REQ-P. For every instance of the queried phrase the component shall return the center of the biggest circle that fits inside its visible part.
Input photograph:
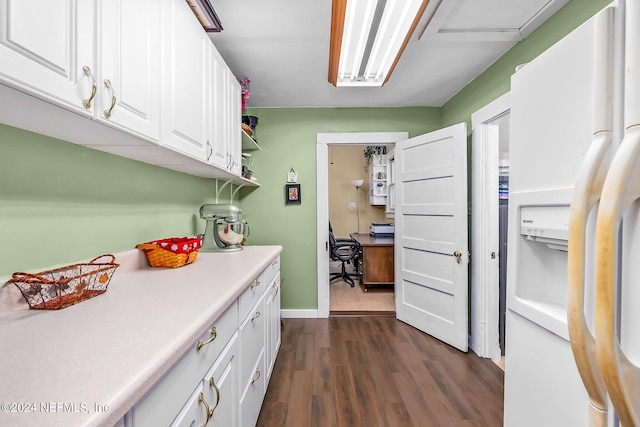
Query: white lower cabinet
(252, 335)
(272, 308)
(222, 380)
(213, 402)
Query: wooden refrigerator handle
(583, 344)
(621, 188)
(586, 195)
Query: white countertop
(109, 350)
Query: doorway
(324, 140)
(490, 193)
(351, 210)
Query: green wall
(60, 202)
(288, 140)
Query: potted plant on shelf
(251, 121)
(374, 153)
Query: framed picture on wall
(292, 194)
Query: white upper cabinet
(46, 49)
(233, 124)
(186, 81)
(218, 149)
(129, 72)
(144, 68)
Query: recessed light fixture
(206, 15)
(368, 37)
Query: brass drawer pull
(212, 383)
(256, 376)
(255, 315)
(94, 87)
(255, 284)
(274, 262)
(206, 407)
(201, 344)
(107, 113)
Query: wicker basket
(172, 253)
(65, 286)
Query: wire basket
(65, 286)
(172, 253)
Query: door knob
(457, 254)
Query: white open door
(431, 255)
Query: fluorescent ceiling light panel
(368, 37)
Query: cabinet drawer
(251, 295)
(252, 340)
(164, 400)
(253, 394)
(193, 413)
(271, 270)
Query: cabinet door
(185, 80)
(273, 325)
(45, 45)
(221, 388)
(218, 154)
(129, 75)
(234, 124)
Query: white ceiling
(283, 47)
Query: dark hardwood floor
(377, 371)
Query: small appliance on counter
(225, 231)
(380, 229)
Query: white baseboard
(299, 314)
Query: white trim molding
(485, 337)
(323, 140)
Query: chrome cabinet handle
(212, 383)
(107, 113)
(255, 315)
(210, 151)
(256, 376)
(206, 407)
(94, 87)
(201, 344)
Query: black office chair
(346, 251)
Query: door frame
(323, 140)
(485, 294)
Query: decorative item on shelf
(247, 165)
(245, 84)
(172, 252)
(249, 123)
(374, 151)
(65, 286)
(252, 122)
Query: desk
(376, 262)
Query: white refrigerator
(573, 273)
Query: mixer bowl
(231, 233)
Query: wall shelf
(248, 143)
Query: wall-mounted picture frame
(292, 194)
